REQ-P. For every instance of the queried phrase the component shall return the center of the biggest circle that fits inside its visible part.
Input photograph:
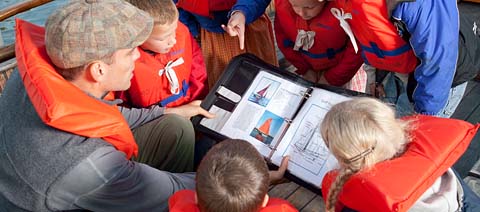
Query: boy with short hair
(233, 177)
(170, 71)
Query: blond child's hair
(360, 133)
(233, 177)
(162, 11)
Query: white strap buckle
(304, 40)
(171, 75)
(342, 16)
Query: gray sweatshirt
(45, 169)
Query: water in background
(36, 15)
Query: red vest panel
(378, 38)
(149, 88)
(395, 185)
(59, 103)
(326, 51)
(204, 8)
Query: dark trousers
(166, 143)
(470, 200)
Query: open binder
(276, 111)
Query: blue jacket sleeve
(434, 26)
(252, 9)
(189, 20)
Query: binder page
(310, 159)
(260, 116)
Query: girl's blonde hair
(360, 133)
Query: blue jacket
(434, 29)
(252, 9)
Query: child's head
(307, 9)
(165, 16)
(360, 133)
(232, 177)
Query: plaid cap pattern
(88, 30)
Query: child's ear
(265, 201)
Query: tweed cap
(88, 30)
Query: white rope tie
(342, 16)
(171, 75)
(304, 40)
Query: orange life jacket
(204, 8)
(148, 87)
(395, 185)
(184, 201)
(381, 45)
(61, 104)
(327, 51)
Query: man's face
(120, 72)
(307, 9)
(162, 38)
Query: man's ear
(96, 71)
(265, 201)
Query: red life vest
(378, 38)
(59, 103)
(326, 51)
(395, 185)
(184, 201)
(148, 87)
(204, 8)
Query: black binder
(254, 87)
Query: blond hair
(360, 133)
(233, 177)
(162, 11)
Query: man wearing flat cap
(64, 142)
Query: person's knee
(179, 126)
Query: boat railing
(7, 53)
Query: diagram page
(310, 159)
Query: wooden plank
(7, 53)
(317, 204)
(283, 191)
(20, 7)
(301, 197)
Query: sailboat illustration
(262, 93)
(263, 132)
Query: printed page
(310, 159)
(260, 116)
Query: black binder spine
(305, 95)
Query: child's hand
(236, 27)
(276, 177)
(191, 109)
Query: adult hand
(276, 177)
(236, 27)
(191, 109)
